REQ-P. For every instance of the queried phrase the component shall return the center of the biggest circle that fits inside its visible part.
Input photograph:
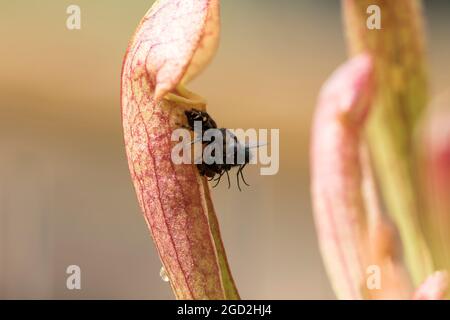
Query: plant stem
(398, 51)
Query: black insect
(234, 153)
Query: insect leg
(241, 168)
(237, 177)
(228, 177)
(218, 180)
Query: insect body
(234, 154)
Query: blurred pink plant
(352, 236)
(359, 137)
(435, 159)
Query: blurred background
(65, 192)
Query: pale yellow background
(65, 191)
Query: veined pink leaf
(172, 44)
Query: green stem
(398, 51)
